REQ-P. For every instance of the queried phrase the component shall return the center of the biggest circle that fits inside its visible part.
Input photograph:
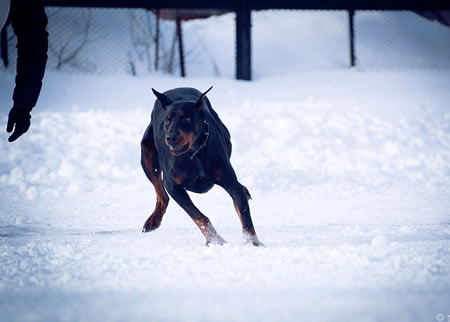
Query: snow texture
(349, 172)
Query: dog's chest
(192, 176)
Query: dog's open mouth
(178, 150)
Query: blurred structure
(204, 42)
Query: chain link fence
(125, 41)
(290, 41)
(400, 39)
(302, 40)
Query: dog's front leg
(150, 165)
(203, 223)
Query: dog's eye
(186, 119)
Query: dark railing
(259, 4)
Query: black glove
(19, 117)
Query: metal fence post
(351, 14)
(180, 45)
(243, 40)
(157, 13)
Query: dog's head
(183, 122)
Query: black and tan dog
(189, 144)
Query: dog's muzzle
(178, 150)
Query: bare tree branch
(64, 54)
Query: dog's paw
(252, 239)
(258, 244)
(216, 240)
(151, 224)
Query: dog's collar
(206, 135)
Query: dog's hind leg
(240, 196)
(249, 196)
(202, 222)
(150, 165)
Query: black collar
(205, 140)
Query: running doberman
(187, 141)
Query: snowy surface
(349, 173)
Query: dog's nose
(172, 139)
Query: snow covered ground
(349, 173)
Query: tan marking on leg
(249, 196)
(250, 231)
(208, 231)
(249, 234)
(162, 199)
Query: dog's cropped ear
(202, 98)
(165, 101)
